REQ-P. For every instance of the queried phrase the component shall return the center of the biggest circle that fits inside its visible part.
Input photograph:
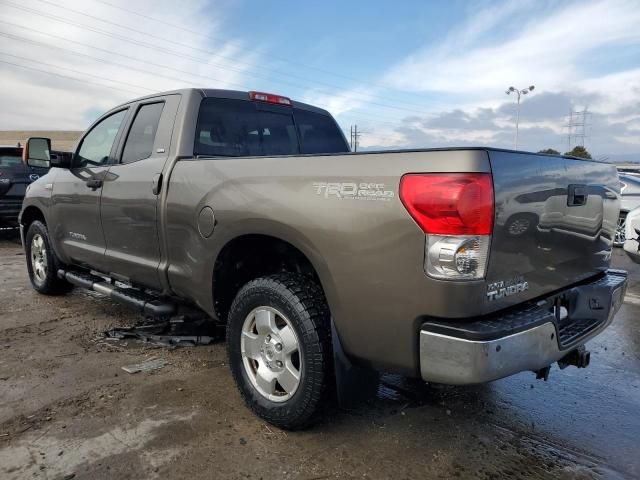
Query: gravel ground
(68, 410)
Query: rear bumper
(529, 337)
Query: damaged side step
(145, 303)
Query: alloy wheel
(271, 354)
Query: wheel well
(30, 214)
(252, 256)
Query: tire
(42, 262)
(269, 318)
(620, 236)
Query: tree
(550, 151)
(580, 152)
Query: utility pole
(578, 127)
(518, 92)
(354, 138)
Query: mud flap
(354, 384)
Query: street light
(524, 91)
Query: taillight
(450, 203)
(269, 98)
(455, 210)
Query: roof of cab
(219, 93)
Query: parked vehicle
(630, 190)
(325, 263)
(15, 175)
(632, 235)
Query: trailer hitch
(579, 357)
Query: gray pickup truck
(457, 266)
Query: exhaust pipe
(579, 357)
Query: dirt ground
(68, 410)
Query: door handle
(94, 183)
(156, 184)
(577, 195)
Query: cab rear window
(238, 128)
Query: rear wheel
(278, 339)
(620, 230)
(42, 262)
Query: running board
(145, 303)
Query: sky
(410, 74)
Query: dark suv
(15, 175)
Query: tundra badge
(506, 288)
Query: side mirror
(36, 152)
(61, 159)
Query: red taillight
(449, 203)
(269, 98)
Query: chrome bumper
(447, 357)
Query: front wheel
(42, 262)
(279, 346)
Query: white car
(632, 234)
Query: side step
(145, 303)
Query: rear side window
(142, 135)
(237, 128)
(319, 133)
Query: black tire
(44, 280)
(304, 305)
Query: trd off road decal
(353, 191)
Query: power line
(239, 44)
(101, 60)
(154, 74)
(211, 37)
(182, 55)
(67, 77)
(356, 133)
(77, 71)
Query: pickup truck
(456, 266)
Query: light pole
(518, 92)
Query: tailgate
(555, 221)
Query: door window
(142, 135)
(96, 145)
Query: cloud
(60, 70)
(563, 49)
(542, 125)
(546, 49)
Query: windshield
(238, 128)
(10, 157)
